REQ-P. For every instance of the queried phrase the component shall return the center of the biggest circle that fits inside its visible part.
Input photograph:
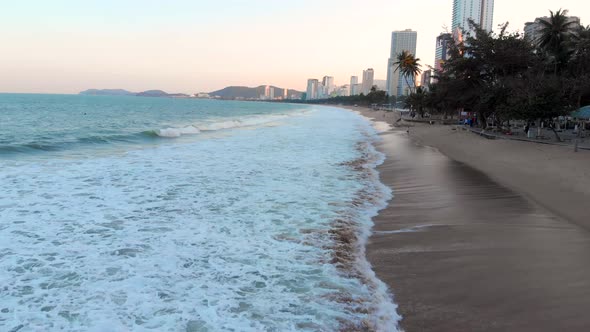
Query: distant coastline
(122, 92)
(259, 93)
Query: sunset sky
(64, 46)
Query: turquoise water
(141, 214)
(36, 123)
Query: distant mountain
(107, 92)
(121, 92)
(152, 93)
(243, 92)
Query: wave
(177, 132)
(48, 145)
(218, 124)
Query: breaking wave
(209, 125)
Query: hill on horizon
(122, 92)
(107, 92)
(233, 92)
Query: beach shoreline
(481, 235)
(518, 165)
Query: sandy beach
(482, 235)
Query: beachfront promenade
(568, 137)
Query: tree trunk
(556, 134)
(483, 120)
(408, 83)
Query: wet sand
(461, 252)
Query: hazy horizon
(195, 46)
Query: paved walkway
(547, 137)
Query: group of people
(470, 122)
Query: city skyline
(192, 46)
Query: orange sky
(64, 46)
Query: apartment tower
(368, 78)
(480, 11)
(405, 40)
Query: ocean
(156, 214)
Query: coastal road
(462, 253)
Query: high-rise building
(405, 40)
(354, 81)
(285, 93)
(328, 83)
(267, 92)
(532, 30)
(480, 11)
(442, 50)
(312, 89)
(426, 79)
(368, 77)
(357, 88)
(343, 91)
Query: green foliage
(408, 66)
(375, 96)
(503, 76)
(556, 38)
(416, 101)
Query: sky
(189, 46)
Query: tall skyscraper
(312, 89)
(480, 11)
(354, 81)
(368, 77)
(442, 50)
(328, 83)
(405, 40)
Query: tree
(478, 75)
(556, 36)
(376, 96)
(579, 66)
(408, 66)
(416, 101)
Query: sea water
(149, 214)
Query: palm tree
(579, 65)
(408, 66)
(556, 34)
(416, 101)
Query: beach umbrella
(582, 113)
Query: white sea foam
(385, 317)
(381, 126)
(409, 230)
(224, 124)
(205, 235)
(177, 132)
